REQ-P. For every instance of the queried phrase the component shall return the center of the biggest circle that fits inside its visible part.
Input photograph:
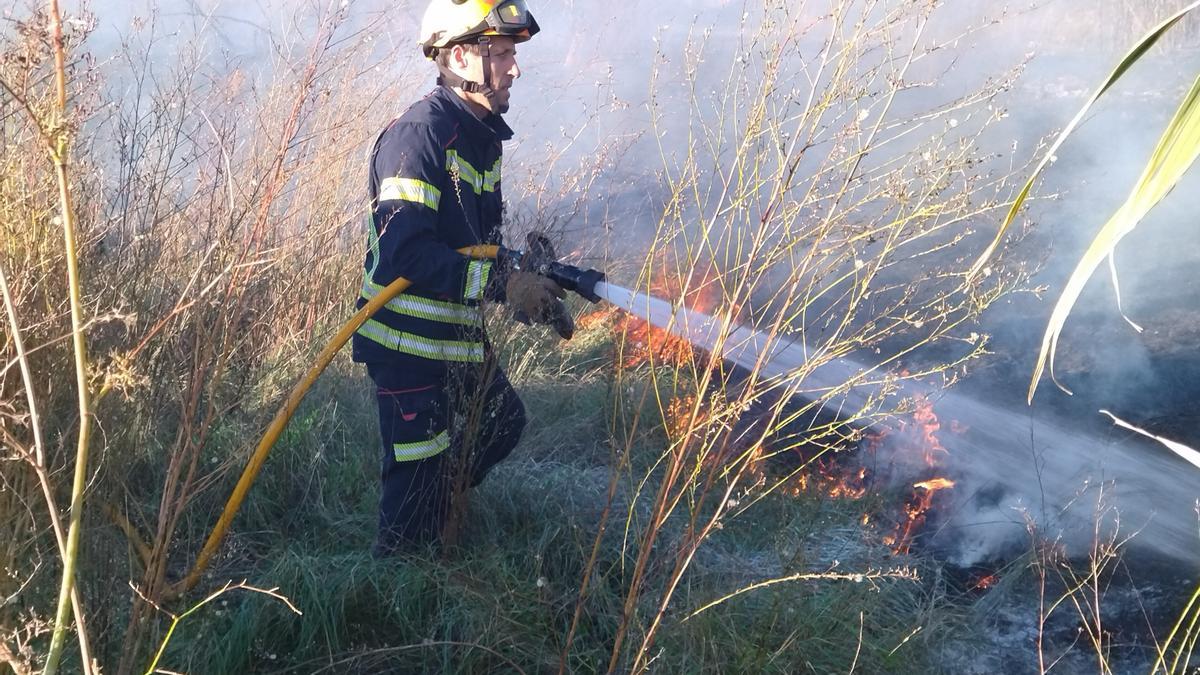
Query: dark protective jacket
(434, 188)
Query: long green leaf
(1176, 447)
(1175, 153)
(1126, 62)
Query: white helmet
(447, 22)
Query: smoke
(586, 158)
(1059, 481)
(1018, 474)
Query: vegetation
(1173, 156)
(659, 514)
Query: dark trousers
(440, 436)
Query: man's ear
(458, 56)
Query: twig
(18, 666)
(873, 575)
(35, 422)
(424, 645)
(858, 645)
(175, 620)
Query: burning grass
(646, 491)
(641, 343)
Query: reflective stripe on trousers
(419, 417)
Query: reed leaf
(1175, 153)
(1185, 452)
(1137, 52)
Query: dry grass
(218, 218)
(212, 213)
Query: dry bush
(214, 200)
(214, 204)
(825, 194)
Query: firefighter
(447, 413)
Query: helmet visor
(509, 17)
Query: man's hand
(539, 300)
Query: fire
(604, 316)
(853, 486)
(644, 343)
(985, 582)
(914, 438)
(915, 512)
(935, 484)
(829, 479)
(927, 425)
(917, 436)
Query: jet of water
(1013, 470)
(744, 347)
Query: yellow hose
(285, 415)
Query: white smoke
(586, 87)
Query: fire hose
(539, 259)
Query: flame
(643, 342)
(599, 318)
(917, 435)
(646, 343)
(934, 484)
(927, 425)
(833, 481)
(985, 582)
(915, 513)
(853, 486)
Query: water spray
(998, 466)
(767, 353)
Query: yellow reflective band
(491, 178)
(427, 348)
(425, 308)
(477, 278)
(409, 190)
(456, 165)
(409, 452)
(479, 182)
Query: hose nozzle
(539, 258)
(574, 278)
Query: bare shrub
(812, 200)
(214, 200)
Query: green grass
(507, 595)
(212, 306)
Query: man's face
(504, 71)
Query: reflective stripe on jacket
(434, 188)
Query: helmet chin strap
(451, 79)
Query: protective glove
(538, 299)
